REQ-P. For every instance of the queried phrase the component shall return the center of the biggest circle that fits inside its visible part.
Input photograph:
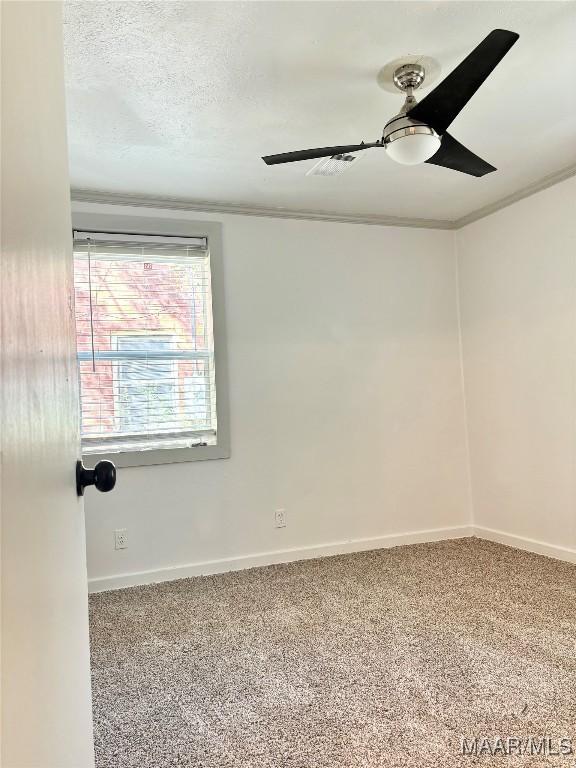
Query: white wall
(518, 298)
(346, 406)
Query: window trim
(122, 224)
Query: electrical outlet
(120, 538)
(280, 518)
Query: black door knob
(103, 476)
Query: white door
(46, 707)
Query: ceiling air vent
(332, 166)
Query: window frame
(122, 224)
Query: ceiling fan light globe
(413, 148)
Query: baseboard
(225, 565)
(529, 545)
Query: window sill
(145, 458)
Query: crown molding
(180, 204)
(504, 202)
(202, 206)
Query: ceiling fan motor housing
(401, 125)
(409, 133)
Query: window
(145, 341)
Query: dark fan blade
(454, 155)
(311, 154)
(441, 106)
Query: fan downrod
(408, 77)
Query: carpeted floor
(386, 658)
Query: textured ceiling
(181, 100)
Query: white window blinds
(145, 342)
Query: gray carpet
(384, 658)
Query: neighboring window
(145, 344)
(147, 390)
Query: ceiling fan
(418, 133)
